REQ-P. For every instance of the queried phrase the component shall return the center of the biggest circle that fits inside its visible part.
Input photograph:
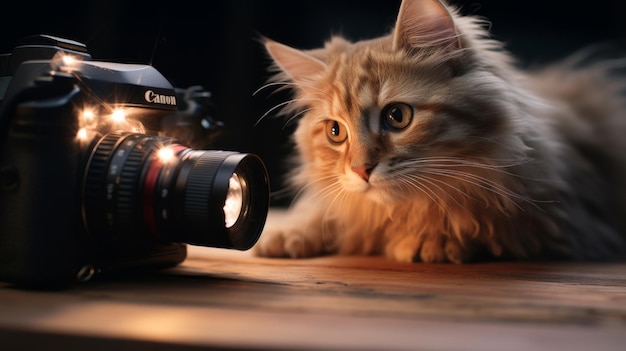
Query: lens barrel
(131, 195)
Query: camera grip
(38, 203)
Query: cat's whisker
(329, 192)
(289, 84)
(483, 183)
(448, 166)
(340, 197)
(495, 169)
(332, 193)
(339, 194)
(283, 192)
(295, 116)
(501, 166)
(283, 105)
(322, 179)
(436, 198)
(415, 183)
(480, 180)
(432, 180)
(313, 88)
(282, 85)
(495, 163)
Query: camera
(96, 175)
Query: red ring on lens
(150, 183)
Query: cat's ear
(297, 65)
(424, 24)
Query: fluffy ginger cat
(428, 144)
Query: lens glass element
(234, 201)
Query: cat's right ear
(297, 65)
(425, 24)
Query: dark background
(214, 44)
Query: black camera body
(83, 192)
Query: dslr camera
(95, 174)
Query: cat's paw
(288, 236)
(285, 242)
(430, 249)
(458, 252)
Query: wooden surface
(222, 299)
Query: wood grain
(223, 299)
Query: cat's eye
(397, 116)
(336, 132)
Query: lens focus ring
(128, 185)
(199, 185)
(113, 184)
(93, 201)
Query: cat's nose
(364, 171)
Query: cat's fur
(494, 163)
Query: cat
(429, 144)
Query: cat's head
(407, 114)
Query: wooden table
(223, 299)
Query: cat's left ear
(297, 65)
(425, 24)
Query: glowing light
(118, 116)
(89, 115)
(65, 62)
(166, 154)
(82, 134)
(234, 201)
(69, 60)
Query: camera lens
(140, 188)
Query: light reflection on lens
(234, 201)
(166, 154)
